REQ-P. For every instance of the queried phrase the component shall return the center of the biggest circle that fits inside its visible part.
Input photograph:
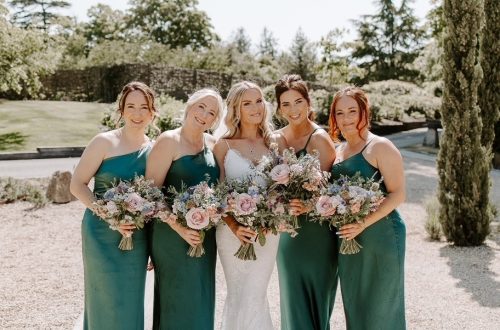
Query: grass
(26, 125)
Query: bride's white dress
(246, 306)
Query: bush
(12, 190)
(170, 116)
(398, 100)
(432, 224)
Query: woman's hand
(126, 229)
(192, 237)
(297, 207)
(352, 230)
(244, 234)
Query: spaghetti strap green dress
(184, 293)
(372, 280)
(307, 271)
(114, 279)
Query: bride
(247, 138)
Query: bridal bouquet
(349, 200)
(247, 202)
(199, 207)
(293, 177)
(133, 202)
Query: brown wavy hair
(364, 110)
(149, 94)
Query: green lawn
(25, 125)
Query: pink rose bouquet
(348, 200)
(132, 202)
(199, 207)
(293, 177)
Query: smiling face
(136, 112)
(203, 113)
(347, 115)
(294, 107)
(252, 108)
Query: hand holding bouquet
(199, 207)
(292, 177)
(132, 202)
(349, 200)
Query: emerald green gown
(372, 281)
(114, 279)
(307, 271)
(184, 293)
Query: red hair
(361, 99)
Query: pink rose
(134, 202)
(326, 205)
(281, 173)
(245, 204)
(197, 218)
(355, 207)
(111, 208)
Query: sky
(281, 17)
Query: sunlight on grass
(26, 125)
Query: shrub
(12, 190)
(432, 224)
(398, 100)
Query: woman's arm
(322, 142)
(390, 164)
(159, 161)
(89, 163)
(244, 234)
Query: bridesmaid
(184, 293)
(308, 281)
(371, 281)
(114, 279)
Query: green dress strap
(303, 151)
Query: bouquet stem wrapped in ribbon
(132, 202)
(349, 200)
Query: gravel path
(41, 276)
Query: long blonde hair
(233, 116)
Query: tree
(39, 14)
(175, 23)
(388, 42)
(241, 41)
(268, 44)
(302, 59)
(489, 99)
(104, 23)
(334, 66)
(465, 212)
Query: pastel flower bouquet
(133, 202)
(292, 177)
(247, 203)
(349, 200)
(198, 207)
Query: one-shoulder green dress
(184, 294)
(372, 280)
(307, 270)
(114, 279)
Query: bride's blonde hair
(233, 116)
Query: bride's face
(252, 108)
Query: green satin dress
(184, 295)
(307, 270)
(372, 281)
(114, 279)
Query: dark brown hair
(294, 82)
(364, 110)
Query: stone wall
(103, 84)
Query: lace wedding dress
(246, 306)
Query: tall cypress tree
(489, 96)
(465, 213)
